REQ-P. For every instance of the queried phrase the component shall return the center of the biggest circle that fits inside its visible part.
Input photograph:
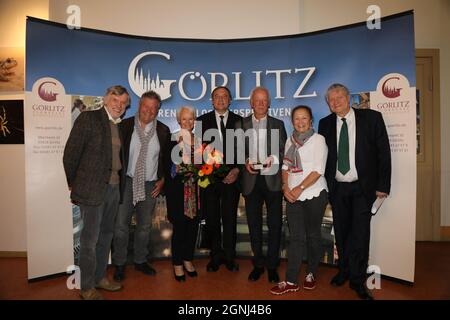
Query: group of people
(115, 167)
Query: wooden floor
(432, 281)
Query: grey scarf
(139, 173)
(292, 157)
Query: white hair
(188, 108)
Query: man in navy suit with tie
(220, 199)
(358, 171)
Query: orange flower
(207, 169)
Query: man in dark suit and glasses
(94, 166)
(264, 148)
(358, 171)
(220, 199)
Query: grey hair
(257, 89)
(337, 86)
(151, 95)
(118, 91)
(188, 108)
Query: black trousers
(184, 235)
(220, 203)
(351, 220)
(253, 207)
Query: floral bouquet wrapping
(212, 170)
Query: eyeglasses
(217, 97)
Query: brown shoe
(91, 294)
(108, 285)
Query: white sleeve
(320, 155)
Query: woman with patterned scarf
(305, 190)
(182, 196)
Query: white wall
(187, 19)
(218, 20)
(12, 164)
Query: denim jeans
(96, 236)
(144, 210)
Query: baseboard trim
(13, 254)
(445, 233)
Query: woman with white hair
(182, 205)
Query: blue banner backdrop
(296, 69)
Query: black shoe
(272, 275)
(212, 266)
(232, 266)
(145, 268)
(119, 274)
(362, 292)
(179, 278)
(256, 273)
(339, 279)
(191, 274)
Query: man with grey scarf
(146, 161)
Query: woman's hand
(289, 195)
(296, 192)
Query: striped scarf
(292, 157)
(139, 173)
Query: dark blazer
(88, 158)
(174, 197)
(372, 153)
(273, 181)
(163, 133)
(208, 121)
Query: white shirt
(151, 163)
(115, 121)
(352, 174)
(260, 140)
(225, 118)
(313, 155)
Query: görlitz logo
(48, 90)
(141, 83)
(193, 85)
(393, 87)
(45, 91)
(388, 91)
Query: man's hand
(231, 176)
(249, 167)
(268, 163)
(380, 194)
(158, 187)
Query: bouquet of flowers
(207, 173)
